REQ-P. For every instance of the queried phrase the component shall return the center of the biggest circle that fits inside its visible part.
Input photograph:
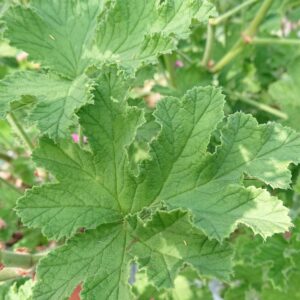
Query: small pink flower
(75, 138)
(179, 64)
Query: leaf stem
(262, 12)
(19, 130)
(264, 107)
(246, 38)
(8, 274)
(209, 44)
(228, 14)
(275, 41)
(20, 260)
(170, 69)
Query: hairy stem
(246, 38)
(19, 130)
(209, 45)
(228, 14)
(20, 260)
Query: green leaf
(183, 174)
(150, 30)
(293, 292)
(221, 213)
(65, 207)
(275, 254)
(260, 151)
(132, 32)
(180, 173)
(67, 38)
(23, 292)
(59, 34)
(98, 190)
(57, 99)
(100, 258)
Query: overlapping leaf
(67, 37)
(98, 188)
(57, 99)
(100, 258)
(135, 31)
(181, 173)
(56, 33)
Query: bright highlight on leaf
(131, 216)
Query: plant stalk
(209, 45)
(254, 25)
(170, 69)
(20, 260)
(264, 107)
(228, 14)
(246, 38)
(275, 41)
(9, 274)
(20, 131)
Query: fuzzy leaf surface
(56, 33)
(100, 258)
(136, 31)
(56, 99)
(61, 34)
(68, 37)
(181, 173)
(97, 189)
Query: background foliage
(257, 68)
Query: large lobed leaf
(68, 37)
(99, 191)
